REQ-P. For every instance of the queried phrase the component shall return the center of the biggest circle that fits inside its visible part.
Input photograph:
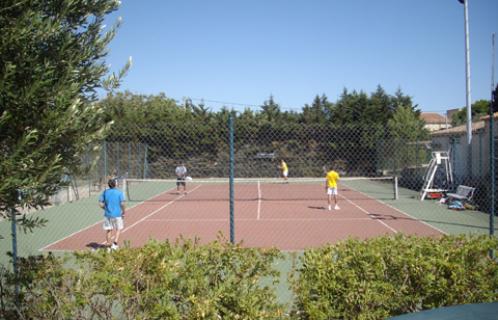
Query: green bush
(388, 276)
(371, 279)
(185, 280)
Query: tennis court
(268, 213)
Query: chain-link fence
(354, 150)
(368, 159)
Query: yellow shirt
(284, 166)
(332, 178)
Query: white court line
(96, 223)
(69, 236)
(259, 200)
(368, 213)
(157, 210)
(402, 212)
(260, 220)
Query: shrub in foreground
(387, 276)
(158, 281)
(371, 279)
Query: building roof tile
(432, 118)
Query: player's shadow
(316, 207)
(95, 245)
(379, 216)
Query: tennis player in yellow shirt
(285, 170)
(331, 188)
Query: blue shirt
(112, 199)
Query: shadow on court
(316, 208)
(95, 246)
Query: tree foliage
(350, 131)
(405, 128)
(51, 68)
(479, 108)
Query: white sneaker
(330, 208)
(336, 207)
(114, 246)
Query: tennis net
(271, 189)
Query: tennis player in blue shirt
(112, 200)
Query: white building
(434, 121)
(456, 139)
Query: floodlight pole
(467, 80)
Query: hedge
(388, 276)
(371, 279)
(184, 280)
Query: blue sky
(244, 51)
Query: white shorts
(285, 173)
(113, 223)
(332, 191)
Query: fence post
(382, 150)
(231, 166)
(417, 151)
(492, 171)
(480, 154)
(117, 159)
(145, 161)
(14, 256)
(453, 156)
(129, 159)
(105, 161)
(394, 159)
(88, 174)
(492, 151)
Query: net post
(395, 186)
(231, 165)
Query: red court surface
(285, 216)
